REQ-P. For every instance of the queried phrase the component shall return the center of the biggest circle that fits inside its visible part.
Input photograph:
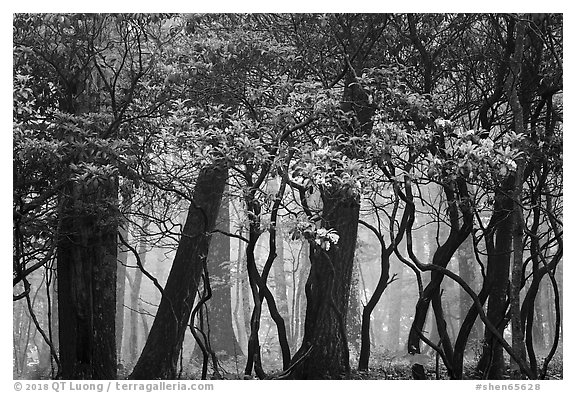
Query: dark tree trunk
(381, 286)
(458, 234)
(159, 358)
(246, 300)
(499, 248)
(465, 328)
(254, 328)
(530, 312)
(385, 253)
(87, 251)
(327, 294)
(280, 283)
(466, 264)
(222, 339)
(259, 286)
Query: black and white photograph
(200, 197)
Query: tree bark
(327, 294)
(516, 284)
(222, 339)
(466, 271)
(87, 252)
(381, 286)
(498, 248)
(159, 358)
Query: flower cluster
(322, 237)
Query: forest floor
(382, 367)
(386, 368)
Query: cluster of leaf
(474, 156)
(326, 167)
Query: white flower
(487, 144)
(443, 122)
(321, 152)
(333, 237)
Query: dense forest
(287, 196)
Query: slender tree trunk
(518, 344)
(517, 276)
(259, 286)
(280, 283)
(369, 307)
(159, 358)
(87, 252)
(253, 276)
(499, 248)
(443, 254)
(246, 301)
(466, 271)
(327, 294)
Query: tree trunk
(364, 356)
(253, 339)
(498, 248)
(222, 339)
(466, 271)
(280, 283)
(246, 300)
(259, 287)
(516, 284)
(87, 251)
(159, 358)
(327, 294)
(458, 234)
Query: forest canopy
(287, 196)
